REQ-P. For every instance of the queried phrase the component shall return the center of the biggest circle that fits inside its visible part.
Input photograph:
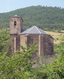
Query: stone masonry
(18, 35)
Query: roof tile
(33, 30)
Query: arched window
(14, 23)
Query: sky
(10, 5)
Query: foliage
(27, 56)
(19, 65)
(56, 68)
(40, 72)
(4, 36)
(59, 30)
(7, 47)
(43, 17)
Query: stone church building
(31, 35)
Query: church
(34, 34)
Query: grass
(57, 36)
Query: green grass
(57, 36)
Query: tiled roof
(33, 30)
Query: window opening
(14, 23)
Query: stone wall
(12, 38)
(41, 45)
(16, 29)
(14, 44)
(46, 45)
(22, 41)
(31, 39)
(44, 42)
(18, 43)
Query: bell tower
(16, 25)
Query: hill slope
(43, 17)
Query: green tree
(54, 70)
(4, 37)
(59, 30)
(19, 65)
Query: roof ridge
(34, 30)
(43, 31)
(38, 29)
(29, 29)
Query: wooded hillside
(43, 17)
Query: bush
(10, 67)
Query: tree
(11, 67)
(4, 37)
(59, 30)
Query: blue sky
(10, 5)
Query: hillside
(43, 17)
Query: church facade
(34, 34)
